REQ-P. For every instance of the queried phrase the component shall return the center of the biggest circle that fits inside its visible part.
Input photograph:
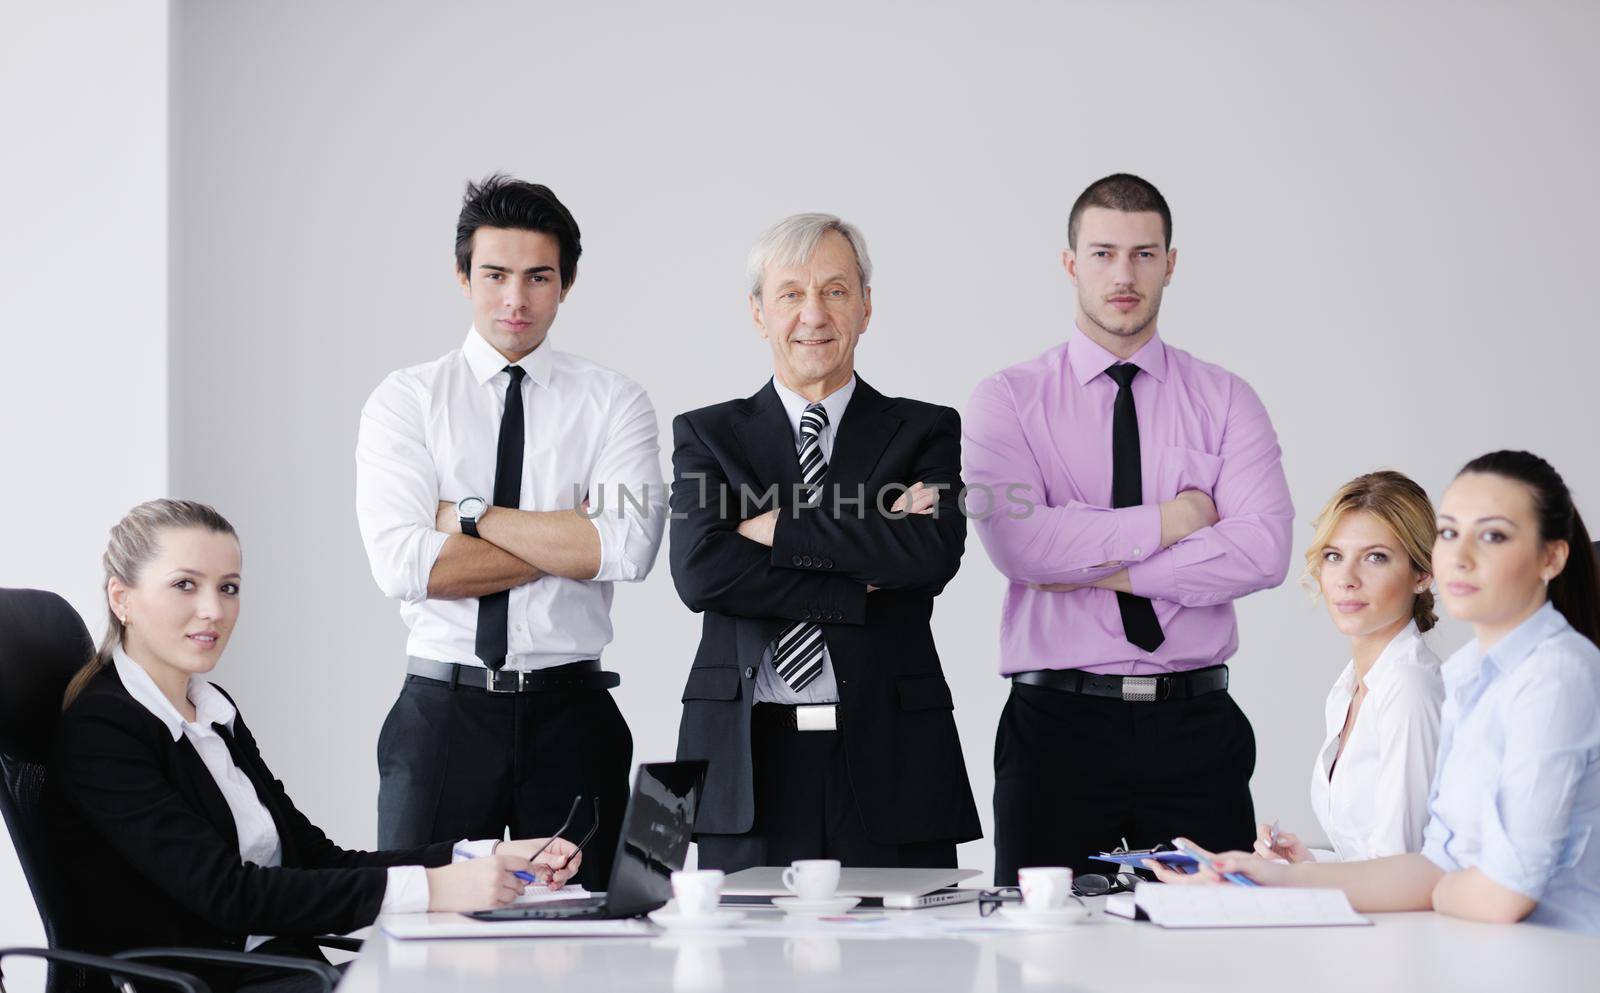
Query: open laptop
(654, 842)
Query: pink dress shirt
(1037, 438)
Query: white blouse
(407, 889)
(1374, 801)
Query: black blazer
(147, 852)
(904, 755)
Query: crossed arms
(413, 537)
(746, 567)
(1196, 549)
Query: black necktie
(493, 609)
(1139, 622)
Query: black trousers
(466, 763)
(1075, 774)
(806, 809)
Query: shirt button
(1138, 551)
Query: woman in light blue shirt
(1514, 813)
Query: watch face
(471, 508)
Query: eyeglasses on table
(1093, 884)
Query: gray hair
(135, 540)
(792, 241)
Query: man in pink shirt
(1131, 493)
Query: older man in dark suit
(813, 524)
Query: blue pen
(462, 853)
(1233, 877)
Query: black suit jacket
(904, 755)
(147, 853)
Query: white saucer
(815, 908)
(670, 919)
(1072, 913)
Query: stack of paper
(1179, 906)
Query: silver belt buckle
(816, 717)
(1139, 689)
(492, 676)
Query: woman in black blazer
(171, 830)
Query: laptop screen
(655, 835)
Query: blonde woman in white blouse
(1369, 782)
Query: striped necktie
(797, 658)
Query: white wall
(83, 305)
(1385, 219)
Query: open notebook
(1237, 906)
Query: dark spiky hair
(502, 202)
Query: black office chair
(43, 643)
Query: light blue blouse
(1517, 789)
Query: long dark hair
(1574, 592)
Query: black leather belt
(798, 717)
(582, 675)
(1135, 689)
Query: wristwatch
(470, 509)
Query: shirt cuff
(1138, 534)
(407, 889)
(627, 549)
(406, 892)
(1155, 578)
(473, 849)
(431, 545)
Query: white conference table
(1400, 952)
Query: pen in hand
(1186, 847)
(527, 877)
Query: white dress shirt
(770, 687)
(407, 887)
(1374, 801)
(430, 433)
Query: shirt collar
(1401, 644)
(485, 362)
(211, 707)
(834, 403)
(1089, 360)
(1525, 637)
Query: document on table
(406, 927)
(1178, 906)
(544, 894)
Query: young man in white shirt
(501, 490)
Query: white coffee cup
(697, 891)
(1045, 887)
(812, 879)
